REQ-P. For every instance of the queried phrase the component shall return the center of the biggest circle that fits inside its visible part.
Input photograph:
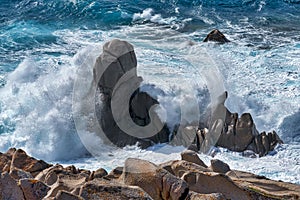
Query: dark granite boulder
(216, 36)
(125, 113)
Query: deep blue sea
(43, 43)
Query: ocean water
(44, 43)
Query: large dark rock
(216, 36)
(237, 133)
(118, 83)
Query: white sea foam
(38, 96)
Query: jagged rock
(211, 182)
(24, 162)
(99, 173)
(213, 196)
(9, 188)
(262, 188)
(5, 160)
(33, 189)
(115, 70)
(19, 174)
(59, 178)
(216, 36)
(157, 182)
(115, 173)
(239, 133)
(64, 195)
(219, 166)
(192, 157)
(181, 166)
(96, 189)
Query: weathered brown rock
(5, 160)
(24, 162)
(213, 196)
(182, 166)
(99, 173)
(33, 189)
(191, 156)
(59, 178)
(9, 188)
(157, 182)
(96, 189)
(211, 182)
(262, 188)
(64, 195)
(219, 166)
(19, 174)
(216, 36)
(115, 173)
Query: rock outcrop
(240, 134)
(216, 36)
(116, 76)
(141, 179)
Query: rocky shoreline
(24, 177)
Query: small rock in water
(216, 36)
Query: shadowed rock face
(115, 74)
(216, 36)
(240, 134)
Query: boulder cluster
(26, 178)
(240, 134)
(115, 74)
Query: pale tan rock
(192, 157)
(65, 181)
(219, 166)
(49, 175)
(182, 166)
(157, 182)
(33, 189)
(264, 188)
(213, 196)
(211, 182)
(96, 189)
(9, 188)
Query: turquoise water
(43, 43)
